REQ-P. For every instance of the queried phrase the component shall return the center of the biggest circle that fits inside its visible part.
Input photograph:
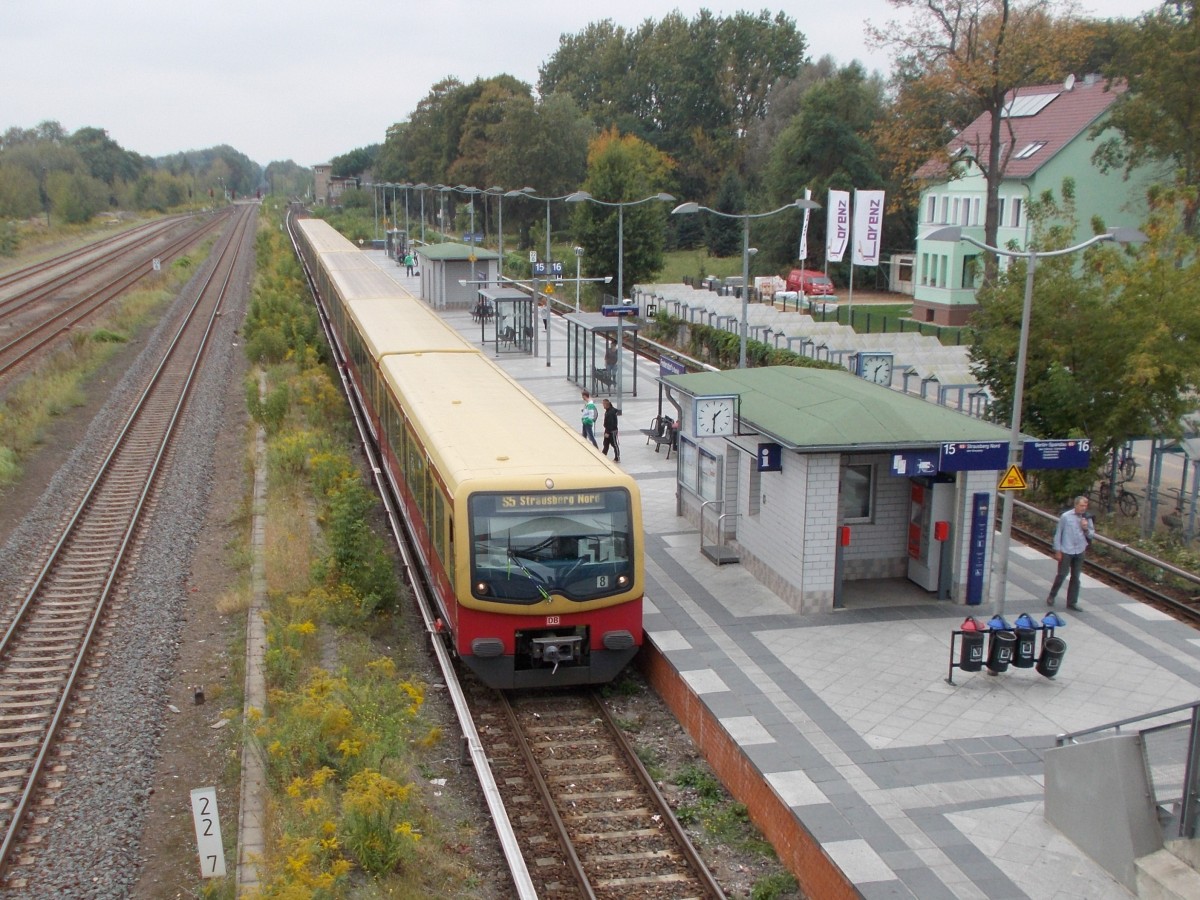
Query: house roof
(1044, 119)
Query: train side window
(438, 526)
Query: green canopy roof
(825, 409)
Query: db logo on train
(553, 620)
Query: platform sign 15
(973, 456)
(1075, 453)
(208, 832)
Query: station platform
(913, 787)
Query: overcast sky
(307, 80)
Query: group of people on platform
(588, 415)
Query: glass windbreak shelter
(593, 340)
(506, 320)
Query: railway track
(42, 314)
(49, 646)
(34, 282)
(588, 814)
(589, 821)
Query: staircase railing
(1174, 763)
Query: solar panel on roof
(1027, 105)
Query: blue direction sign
(668, 366)
(1063, 454)
(910, 464)
(619, 309)
(973, 456)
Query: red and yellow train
(532, 539)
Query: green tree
(104, 158)
(1110, 338)
(623, 169)
(76, 196)
(825, 147)
(1158, 118)
(723, 236)
(19, 198)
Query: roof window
(1029, 149)
(1027, 105)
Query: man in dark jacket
(610, 431)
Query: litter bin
(970, 658)
(1051, 658)
(1000, 651)
(1025, 648)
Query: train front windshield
(528, 546)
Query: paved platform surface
(915, 787)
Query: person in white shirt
(1071, 538)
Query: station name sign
(973, 456)
(1075, 453)
(619, 309)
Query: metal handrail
(1191, 577)
(702, 505)
(1189, 801)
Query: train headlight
(481, 588)
(549, 484)
(623, 581)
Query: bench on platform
(663, 432)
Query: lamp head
(578, 197)
(950, 234)
(664, 197)
(807, 204)
(686, 208)
(1124, 235)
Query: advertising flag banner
(803, 254)
(838, 230)
(868, 227)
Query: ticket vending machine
(930, 501)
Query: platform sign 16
(208, 832)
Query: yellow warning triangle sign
(1013, 480)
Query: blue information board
(973, 456)
(1075, 453)
(981, 525)
(618, 309)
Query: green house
(1047, 132)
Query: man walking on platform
(1075, 531)
(610, 431)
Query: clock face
(876, 367)
(714, 416)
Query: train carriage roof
(323, 236)
(402, 325)
(479, 424)
(362, 284)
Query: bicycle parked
(1108, 499)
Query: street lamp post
(407, 187)
(578, 257)
(421, 188)
(580, 196)
(528, 192)
(687, 208)
(954, 234)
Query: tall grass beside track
(345, 739)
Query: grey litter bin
(1000, 651)
(1052, 653)
(1025, 649)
